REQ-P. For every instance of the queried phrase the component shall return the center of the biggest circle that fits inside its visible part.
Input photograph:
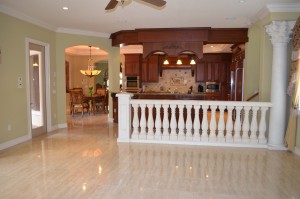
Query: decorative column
(280, 35)
(124, 117)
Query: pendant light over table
(91, 71)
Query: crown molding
(26, 18)
(291, 7)
(82, 32)
(279, 7)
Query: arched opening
(78, 58)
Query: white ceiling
(88, 17)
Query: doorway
(37, 66)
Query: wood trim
(253, 96)
(205, 35)
(173, 49)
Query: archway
(77, 58)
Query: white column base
(297, 151)
(277, 147)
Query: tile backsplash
(174, 80)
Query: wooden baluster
(213, 124)
(135, 122)
(237, 125)
(262, 126)
(245, 126)
(221, 125)
(253, 127)
(157, 135)
(142, 135)
(181, 135)
(166, 135)
(189, 124)
(173, 123)
(196, 136)
(150, 123)
(204, 136)
(229, 125)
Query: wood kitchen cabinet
(213, 68)
(201, 72)
(132, 64)
(150, 69)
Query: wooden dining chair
(78, 102)
(103, 103)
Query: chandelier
(91, 71)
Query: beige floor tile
(85, 161)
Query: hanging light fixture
(166, 62)
(90, 72)
(192, 62)
(179, 62)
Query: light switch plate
(20, 82)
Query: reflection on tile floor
(85, 161)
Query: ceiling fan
(113, 3)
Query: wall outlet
(9, 127)
(54, 115)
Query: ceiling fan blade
(158, 3)
(111, 5)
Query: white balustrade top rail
(202, 102)
(193, 122)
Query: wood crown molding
(174, 41)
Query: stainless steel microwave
(213, 86)
(132, 83)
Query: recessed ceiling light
(230, 18)
(242, 1)
(65, 8)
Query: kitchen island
(167, 96)
(179, 96)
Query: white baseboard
(61, 126)
(14, 142)
(297, 150)
(57, 126)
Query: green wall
(103, 66)
(13, 64)
(13, 33)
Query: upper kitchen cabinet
(132, 64)
(213, 67)
(150, 69)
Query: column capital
(280, 31)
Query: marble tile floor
(85, 161)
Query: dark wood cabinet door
(200, 72)
(132, 65)
(150, 69)
(209, 72)
(144, 71)
(153, 68)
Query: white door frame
(47, 84)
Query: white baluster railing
(157, 135)
(223, 123)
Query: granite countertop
(167, 93)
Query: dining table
(93, 99)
